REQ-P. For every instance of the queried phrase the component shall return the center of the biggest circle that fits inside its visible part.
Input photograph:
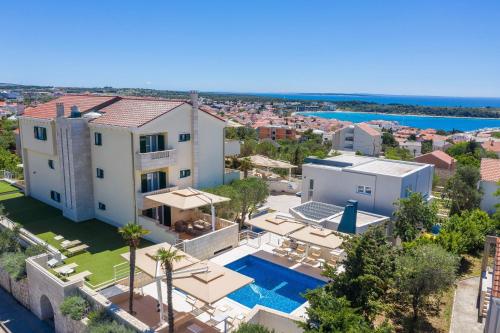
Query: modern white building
(490, 178)
(101, 156)
(376, 184)
(360, 137)
(414, 147)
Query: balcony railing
(156, 159)
(144, 203)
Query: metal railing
(250, 238)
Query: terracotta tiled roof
(368, 129)
(132, 112)
(491, 145)
(439, 155)
(84, 102)
(495, 289)
(490, 169)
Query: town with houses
(144, 214)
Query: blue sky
(414, 47)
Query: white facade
(105, 181)
(414, 147)
(489, 200)
(358, 138)
(375, 183)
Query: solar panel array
(318, 210)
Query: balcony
(143, 203)
(156, 159)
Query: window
(185, 173)
(311, 184)
(40, 133)
(151, 143)
(55, 196)
(184, 137)
(153, 181)
(51, 164)
(101, 206)
(100, 173)
(361, 189)
(98, 139)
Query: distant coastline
(390, 114)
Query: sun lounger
(295, 256)
(66, 269)
(68, 244)
(79, 276)
(196, 305)
(77, 249)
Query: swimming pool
(276, 287)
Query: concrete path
(17, 318)
(464, 316)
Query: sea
(418, 121)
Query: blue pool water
(275, 286)
(423, 122)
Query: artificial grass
(6, 187)
(46, 222)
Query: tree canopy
(462, 189)
(412, 215)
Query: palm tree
(245, 166)
(167, 258)
(132, 234)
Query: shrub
(74, 307)
(101, 322)
(14, 263)
(252, 328)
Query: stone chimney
(195, 136)
(59, 110)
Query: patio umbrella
(276, 225)
(209, 282)
(316, 236)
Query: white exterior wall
(211, 168)
(116, 189)
(489, 199)
(365, 143)
(40, 178)
(336, 186)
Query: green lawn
(6, 187)
(105, 244)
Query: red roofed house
(360, 137)
(492, 146)
(444, 164)
(103, 157)
(490, 177)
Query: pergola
(269, 163)
(189, 198)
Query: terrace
(45, 222)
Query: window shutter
(163, 179)
(35, 132)
(161, 142)
(44, 133)
(142, 144)
(144, 183)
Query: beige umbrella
(268, 163)
(209, 282)
(275, 224)
(321, 237)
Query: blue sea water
(393, 99)
(422, 122)
(276, 287)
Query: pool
(276, 287)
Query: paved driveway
(464, 316)
(282, 202)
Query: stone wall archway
(46, 309)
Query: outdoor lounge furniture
(58, 237)
(67, 244)
(314, 256)
(77, 249)
(66, 269)
(196, 305)
(300, 252)
(52, 262)
(284, 249)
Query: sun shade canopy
(275, 224)
(266, 162)
(187, 198)
(209, 282)
(316, 236)
(145, 261)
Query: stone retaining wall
(18, 289)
